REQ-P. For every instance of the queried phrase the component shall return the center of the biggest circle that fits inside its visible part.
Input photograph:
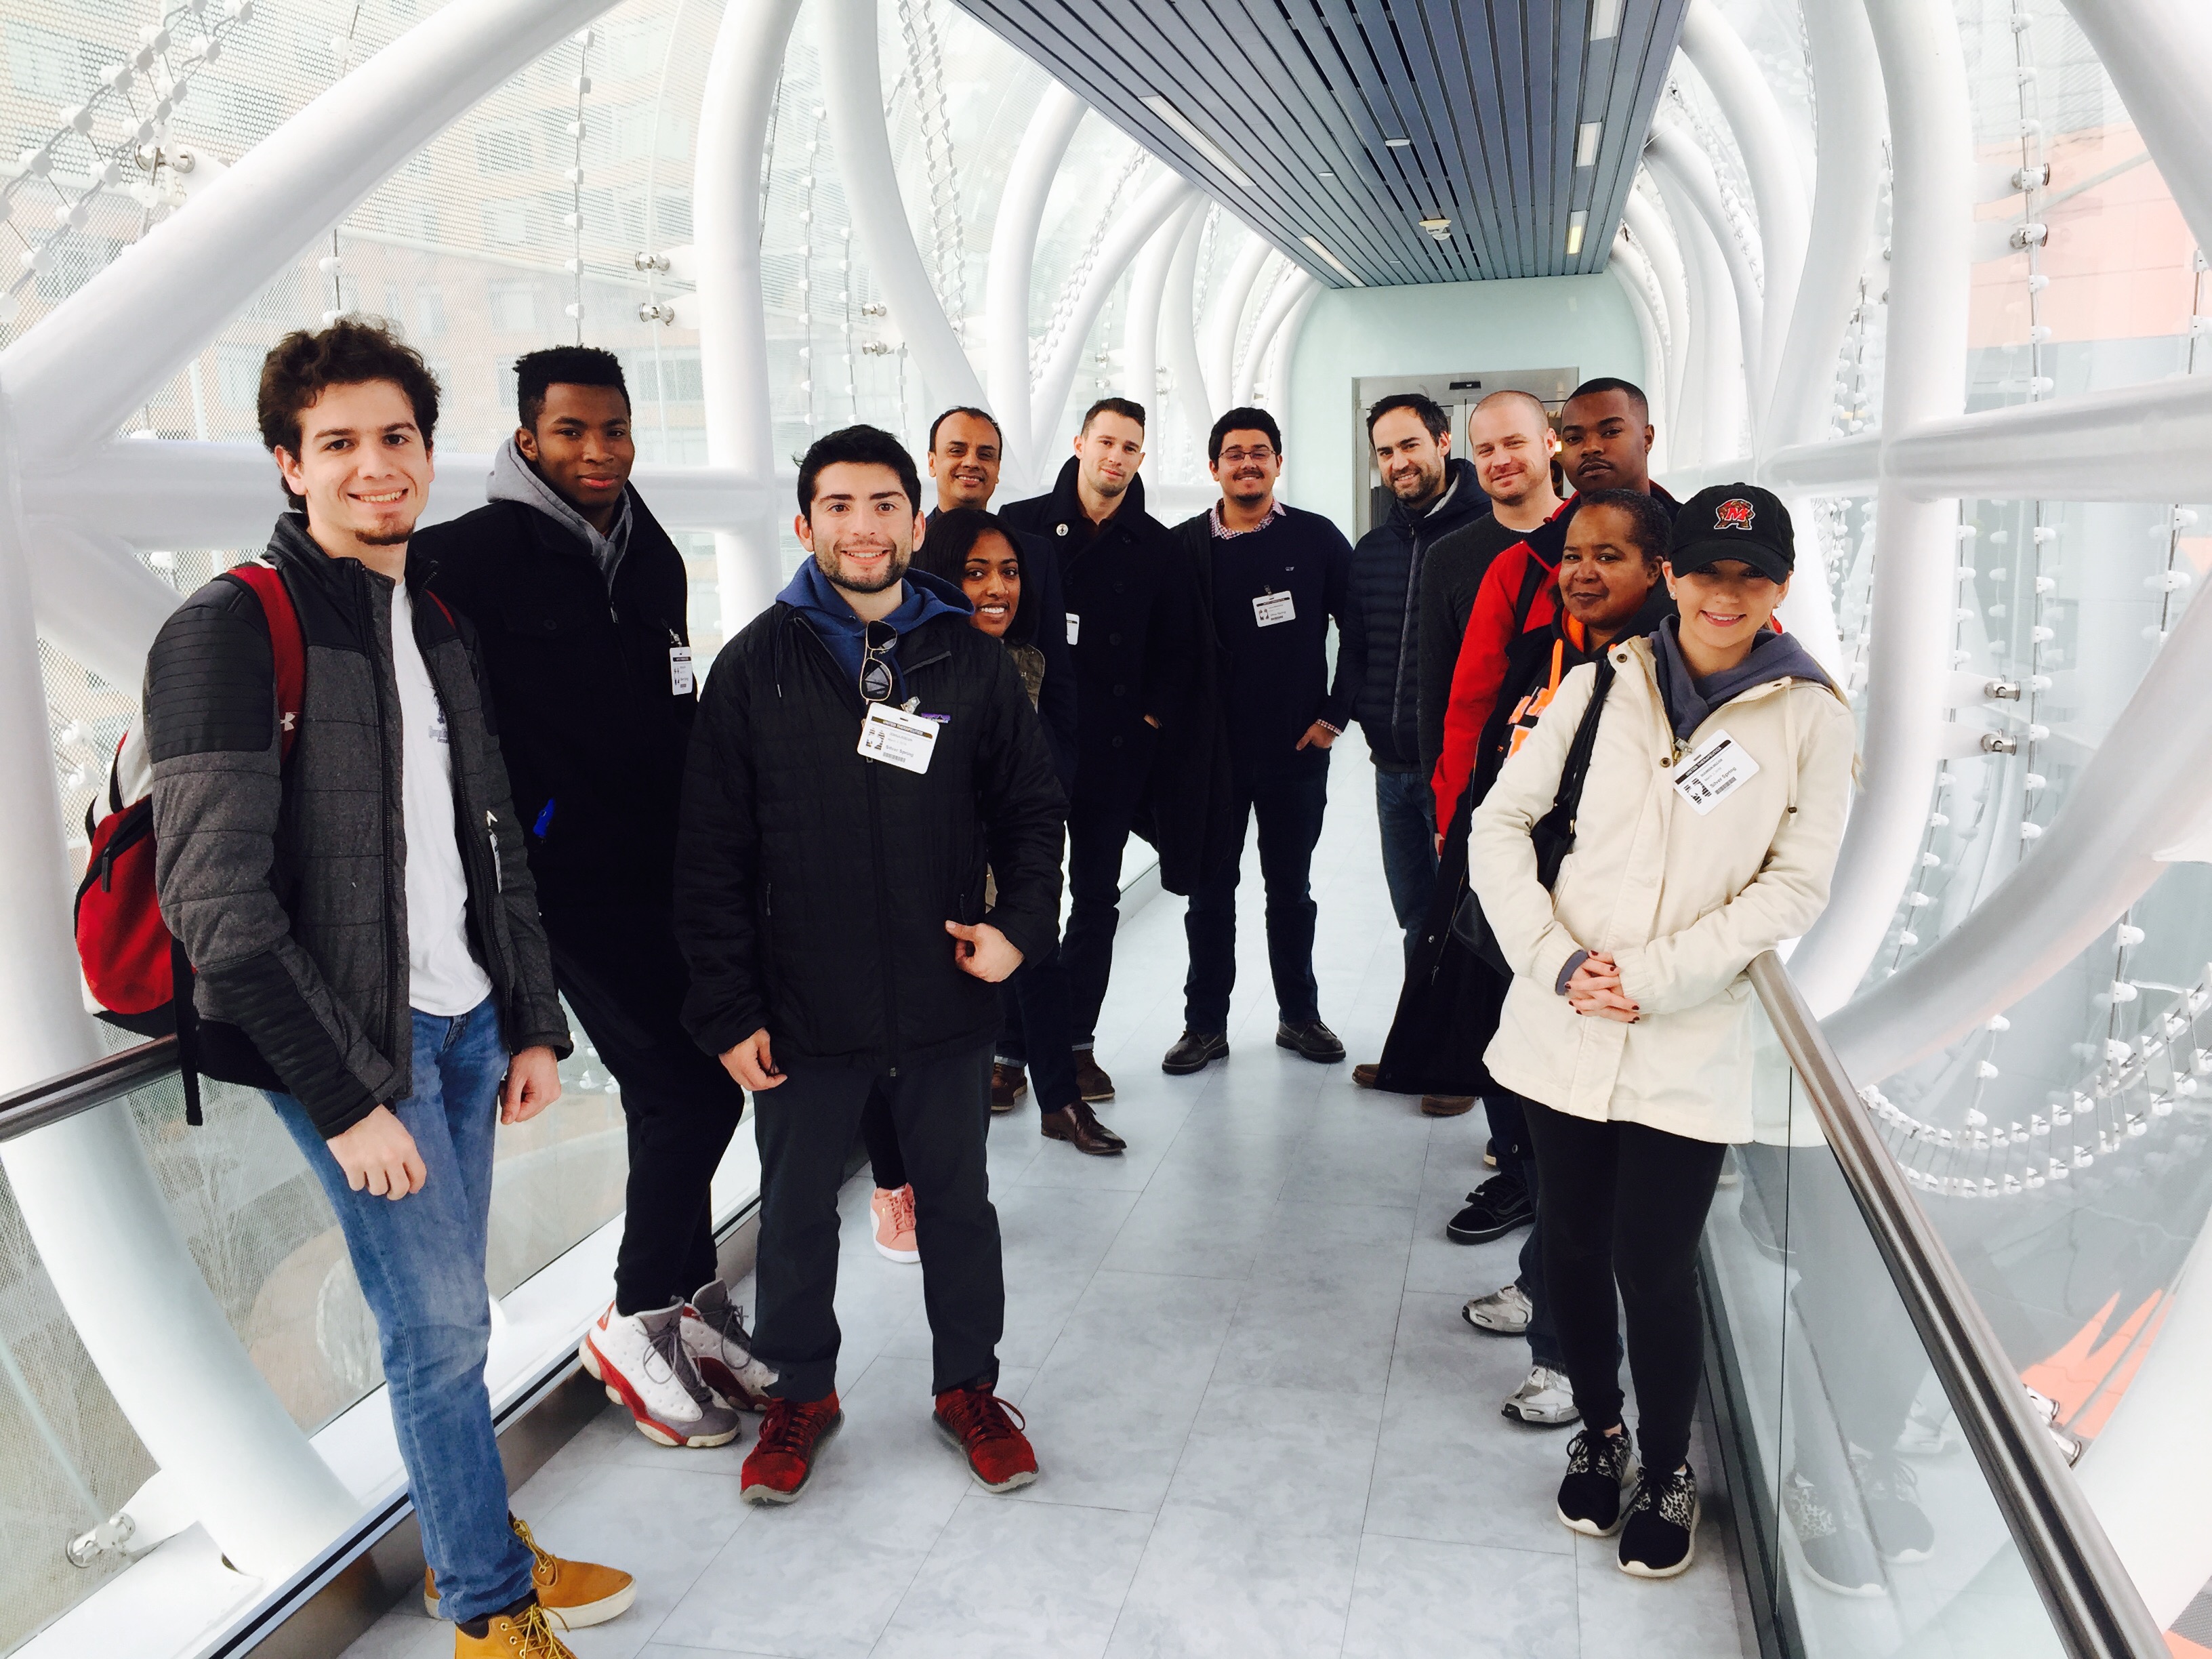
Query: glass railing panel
(67, 1458)
(1877, 1529)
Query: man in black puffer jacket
(862, 757)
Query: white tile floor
(1264, 1429)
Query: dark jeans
(624, 978)
(804, 1126)
(1289, 806)
(421, 1263)
(1404, 812)
(1626, 1203)
(1097, 830)
(1038, 1030)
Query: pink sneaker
(894, 1213)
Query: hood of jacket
(513, 479)
(1461, 502)
(834, 623)
(1690, 700)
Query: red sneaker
(976, 1421)
(777, 1468)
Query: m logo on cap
(1733, 514)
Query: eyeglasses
(879, 677)
(1232, 457)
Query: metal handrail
(106, 1078)
(2092, 1602)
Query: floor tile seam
(1121, 1608)
(1472, 1544)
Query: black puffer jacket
(286, 880)
(594, 731)
(1381, 648)
(813, 887)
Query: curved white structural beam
(1132, 230)
(853, 91)
(1721, 390)
(1179, 331)
(1014, 260)
(1690, 171)
(1288, 292)
(725, 193)
(1649, 225)
(1282, 361)
(79, 371)
(1148, 287)
(1225, 319)
(1634, 274)
(2157, 53)
(1909, 658)
(1839, 466)
(1770, 157)
(1847, 90)
(94, 599)
(2137, 443)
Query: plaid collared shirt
(1222, 532)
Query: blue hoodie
(824, 610)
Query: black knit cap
(1734, 521)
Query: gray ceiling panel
(1357, 119)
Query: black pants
(1623, 1202)
(1289, 804)
(1038, 1031)
(1097, 831)
(804, 1126)
(625, 980)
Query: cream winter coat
(1682, 901)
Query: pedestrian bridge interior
(1932, 270)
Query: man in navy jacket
(1273, 578)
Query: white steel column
(1770, 158)
(1224, 317)
(725, 193)
(2157, 53)
(1179, 331)
(1847, 88)
(1130, 231)
(1690, 171)
(1288, 292)
(1148, 286)
(1013, 259)
(94, 599)
(1924, 379)
(1649, 225)
(853, 90)
(1716, 336)
(1634, 274)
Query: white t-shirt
(444, 976)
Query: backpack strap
(287, 644)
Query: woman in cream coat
(1706, 832)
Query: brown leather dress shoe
(1090, 1079)
(1365, 1073)
(1079, 1127)
(1008, 1085)
(1446, 1105)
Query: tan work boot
(577, 1593)
(526, 1635)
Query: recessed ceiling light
(1439, 228)
(1587, 137)
(1397, 143)
(1576, 224)
(1605, 19)
(1199, 142)
(1324, 173)
(1335, 264)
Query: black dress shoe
(1079, 1127)
(1309, 1039)
(1194, 1050)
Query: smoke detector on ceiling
(1439, 229)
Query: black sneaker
(1891, 1492)
(1309, 1039)
(1601, 1468)
(1837, 1557)
(1193, 1051)
(1661, 1537)
(1493, 1210)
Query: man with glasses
(862, 757)
(1273, 577)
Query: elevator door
(1459, 393)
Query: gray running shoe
(715, 1336)
(1546, 1399)
(641, 1361)
(1504, 1312)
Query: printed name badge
(1713, 771)
(1074, 627)
(679, 670)
(898, 738)
(1268, 609)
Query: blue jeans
(1289, 806)
(1405, 812)
(421, 1263)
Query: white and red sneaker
(716, 1337)
(895, 1235)
(643, 1360)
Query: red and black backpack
(136, 973)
